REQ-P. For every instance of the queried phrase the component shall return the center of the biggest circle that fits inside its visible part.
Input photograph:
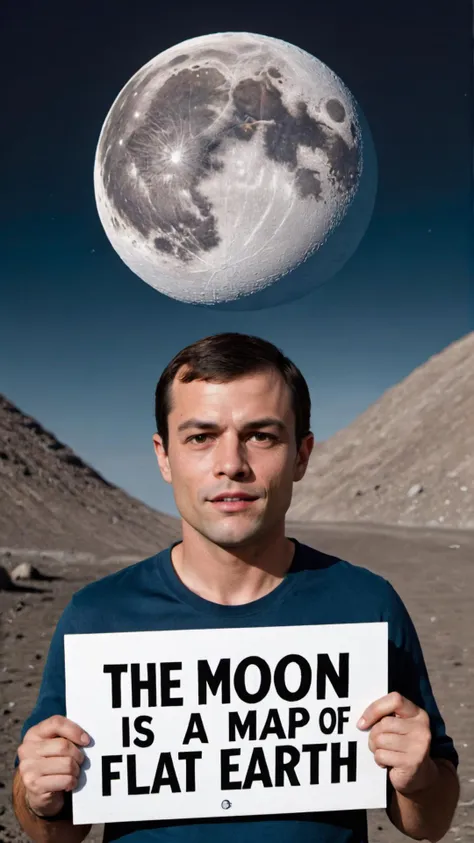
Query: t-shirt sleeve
(52, 697)
(408, 674)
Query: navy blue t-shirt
(319, 589)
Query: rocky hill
(408, 459)
(50, 498)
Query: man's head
(233, 418)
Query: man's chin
(232, 535)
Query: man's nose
(230, 457)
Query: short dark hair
(223, 357)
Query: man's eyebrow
(201, 424)
(268, 421)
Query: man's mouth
(233, 503)
(237, 497)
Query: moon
(227, 163)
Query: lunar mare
(226, 162)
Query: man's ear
(162, 457)
(303, 456)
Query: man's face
(233, 439)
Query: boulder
(25, 571)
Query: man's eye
(198, 436)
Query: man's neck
(234, 576)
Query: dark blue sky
(84, 341)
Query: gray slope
(50, 499)
(419, 433)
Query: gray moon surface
(228, 162)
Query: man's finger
(57, 726)
(396, 725)
(58, 766)
(33, 771)
(59, 747)
(388, 758)
(387, 740)
(390, 704)
(55, 747)
(54, 784)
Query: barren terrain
(432, 571)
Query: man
(233, 422)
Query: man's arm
(427, 814)
(410, 738)
(43, 830)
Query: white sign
(189, 724)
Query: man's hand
(50, 763)
(400, 740)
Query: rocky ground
(432, 570)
